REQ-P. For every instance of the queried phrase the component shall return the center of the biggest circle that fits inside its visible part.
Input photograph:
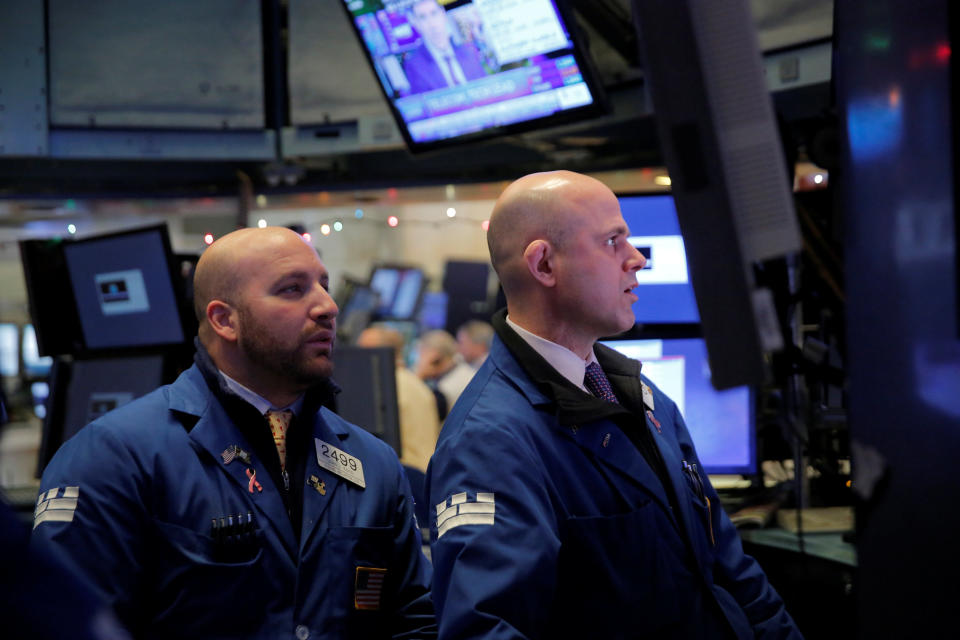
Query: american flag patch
(368, 587)
(458, 510)
(56, 505)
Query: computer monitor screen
(721, 423)
(433, 310)
(665, 293)
(399, 290)
(34, 365)
(125, 290)
(356, 311)
(84, 390)
(459, 69)
(9, 349)
(368, 399)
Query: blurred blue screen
(665, 292)
(720, 422)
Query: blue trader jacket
(129, 503)
(548, 522)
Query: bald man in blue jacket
(567, 497)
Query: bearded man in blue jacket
(232, 503)
(566, 493)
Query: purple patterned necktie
(595, 380)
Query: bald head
(539, 206)
(224, 266)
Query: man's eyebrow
(300, 275)
(620, 229)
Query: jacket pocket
(194, 574)
(627, 565)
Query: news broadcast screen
(469, 68)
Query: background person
(568, 495)
(440, 366)
(197, 514)
(473, 342)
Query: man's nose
(323, 305)
(636, 261)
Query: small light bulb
(71, 229)
(208, 238)
(338, 226)
(485, 225)
(393, 221)
(262, 223)
(451, 212)
(325, 229)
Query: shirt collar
(566, 362)
(261, 404)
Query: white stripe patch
(459, 510)
(56, 505)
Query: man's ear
(223, 319)
(539, 256)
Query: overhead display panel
(177, 64)
(460, 70)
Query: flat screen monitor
(356, 310)
(34, 365)
(127, 290)
(368, 398)
(665, 292)
(457, 70)
(399, 289)
(9, 349)
(83, 390)
(721, 423)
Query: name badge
(647, 396)
(340, 462)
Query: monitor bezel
(599, 106)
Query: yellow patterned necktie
(279, 421)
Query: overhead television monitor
(721, 423)
(665, 292)
(128, 290)
(400, 289)
(83, 390)
(457, 70)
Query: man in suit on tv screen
(439, 62)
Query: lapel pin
(252, 474)
(318, 484)
(233, 451)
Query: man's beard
(268, 353)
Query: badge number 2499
(340, 462)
